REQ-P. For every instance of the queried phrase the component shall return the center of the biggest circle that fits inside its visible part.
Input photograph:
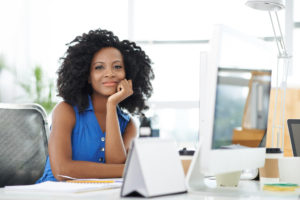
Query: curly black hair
(73, 73)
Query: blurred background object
(34, 33)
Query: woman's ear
(89, 80)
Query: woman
(99, 78)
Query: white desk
(246, 190)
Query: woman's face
(106, 71)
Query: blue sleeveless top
(87, 139)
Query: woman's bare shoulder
(63, 111)
(63, 106)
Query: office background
(174, 33)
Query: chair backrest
(24, 135)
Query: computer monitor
(235, 90)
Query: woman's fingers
(119, 87)
(126, 86)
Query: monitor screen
(241, 107)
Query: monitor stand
(196, 179)
(228, 179)
(197, 182)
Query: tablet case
(153, 168)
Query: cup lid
(273, 150)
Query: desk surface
(246, 190)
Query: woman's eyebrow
(117, 61)
(98, 62)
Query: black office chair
(24, 143)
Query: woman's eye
(99, 67)
(118, 67)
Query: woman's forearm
(85, 169)
(114, 146)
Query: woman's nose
(109, 72)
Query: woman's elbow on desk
(61, 171)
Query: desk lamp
(283, 60)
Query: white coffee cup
(289, 169)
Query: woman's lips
(110, 83)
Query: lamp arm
(275, 35)
(279, 41)
(281, 36)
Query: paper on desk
(62, 187)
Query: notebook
(294, 129)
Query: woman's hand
(124, 90)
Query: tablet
(294, 129)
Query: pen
(90, 181)
(76, 180)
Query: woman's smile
(110, 83)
